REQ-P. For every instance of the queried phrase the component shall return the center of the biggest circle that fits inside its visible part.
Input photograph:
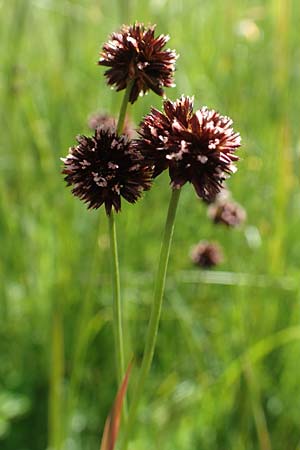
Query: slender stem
(123, 109)
(125, 9)
(117, 308)
(155, 314)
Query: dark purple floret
(135, 54)
(104, 168)
(197, 147)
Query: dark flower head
(207, 254)
(227, 213)
(134, 54)
(195, 146)
(104, 168)
(99, 119)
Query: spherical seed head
(207, 254)
(135, 54)
(104, 168)
(227, 212)
(100, 119)
(195, 146)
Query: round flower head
(227, 213)
(104, 168)
(195, 146)
(134, 54)
(207, 254)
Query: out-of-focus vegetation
(226, 370)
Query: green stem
(117, 308)
(155, 314)
(123, 109)
(125, 10)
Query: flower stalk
(123, 109)
(117, 305)
(155, 314)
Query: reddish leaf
(112, 424)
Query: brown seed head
(99, 119)
(207, 254)
(195, 146)
(135, 54)
(227, 213)
(104, 168)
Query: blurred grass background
(226, 371)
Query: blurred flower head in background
(135, 54)
(207, 254)
(101, 119)
(227, 212)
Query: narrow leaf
(112, 424)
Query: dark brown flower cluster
(135, 54)
(197, 147)
(104, 168)
(99, 119)
(227, 212)
(207, 254)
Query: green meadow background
(226, 373)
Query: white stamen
(100, 181)
(153, 131)
(183, 145)
(111, 165)
(164, 139)
(202, 158)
